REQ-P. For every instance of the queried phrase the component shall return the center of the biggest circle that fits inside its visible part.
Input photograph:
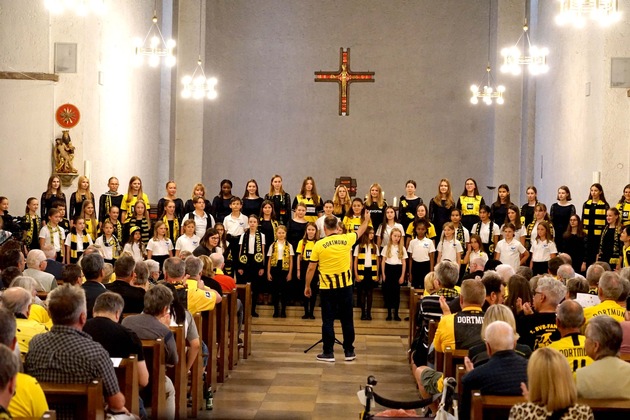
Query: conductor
(332, 254)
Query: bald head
(570, 315)
(17, 300)
(500, 336)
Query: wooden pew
(84, 401)
(233, 352)
(493, 406)
(127, 374)
(222, 339)
(625, 357)
(196, 378)
(452, 358)
(209, 335)
(244, 292)
(415, 295)
(178, 373)
(155, 358)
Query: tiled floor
(279, 381)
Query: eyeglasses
(216, 238)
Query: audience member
(92, 266)
(133, 296)
(475, 268)
(570, 319)
(18, 301)
(9, 367)
(518, 293)
(593, 273)
(505, 271)
(218, 262)
(36, 263)
(553, 265)
(195, 299)
(608, 376)
(154, 270)
(8, 275)
(525, 271)
(565, 273)
(52, 265)
(141, 279)
(37, 312)
(68, 355)
(537, 326)
(577, 284)
(495, 291)
(552, 393)
(501, 375)
(71, 274)
(29, 399)
(609, 290)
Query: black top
(377, 214)
(133, 296)
(438, 215)
(221, 208)
(46, 204)
(213, 284)
(295, 232)
(527, 212)
(537, 330)
(179, 208)
(190, 207)
(479, 354)
(76, 203)
(560, 216)
(93, 289)
(575, 246)
(116, 339)
(266, 228)
(281, 206)
(407, 211)
(252, 206)
(499, 213)
(54, 267)
(107, 201)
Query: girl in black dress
(560, 213)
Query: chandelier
(513, 60)
(80, 7)
(488, 93)
(156, 48)
(197, 85)
(576, 12)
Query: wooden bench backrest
(452, 358)
(415, 296)
(209, 336)
(196, 383)
(84, 400)
(155, 358)
(222, 339)
(178, 373)
(127, 374)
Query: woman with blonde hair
(341, 201)
(552, 392)
(478, 354)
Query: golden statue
(63, 154)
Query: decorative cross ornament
(344, 76)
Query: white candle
(87, 168)
(395, 201)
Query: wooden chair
(244, 292)
(459, 374)
(196, 378)
(233, 352)
(415, 296)
(80, 401)
(222, 339)
(127, 374)
(209, 335)
(452, 358)
(178, 373)
(155, 356)
(432, 329)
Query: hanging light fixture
(487, 93)
(197, 86)
(156, 48)
(576, 12)
(513, 59)
(80, 7)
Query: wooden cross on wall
(344, 76)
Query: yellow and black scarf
(114, 243)
(34, 225)
(286, 256)
(361, 262)
(118, 229)
(74, 253)
(175, 228)
(258, 249)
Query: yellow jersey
(607, 307)
(332, 254)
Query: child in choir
(543, 249)
(355, 216)
(393, 273)
(575, 243)
(198, 191)
(304, 249)
(33, 224)
(514, 217)
(527, 210)
(112, 217)
(509, 250)
(252, 201)
(279, 271)
(160, 247)
(328, 211)
(440, 206)
(134, 194)
(5, 235)
(171, 195)
(4, 213)
(385, 229)
(610, 242)
(188, 241)
(486, 229)
(64, 223)
(109, 243)
(498, 211)
(235, 224)
(625, 252)
(221, 204)
(170, 220)
(53, 234)
(376, 204)
(134, 245)
(76, 198)
(268, 223)
(140, 218)
(449, 248)
(366, 264)
(112, 198)
(462, 235)
(77, 241)
(624, 206)
(422, 250)
(295, 232)
(408, 204)
(594, 221)
(200, 216)
(560, 213)
(469, 204)
(421, 214)
(311, 200)
(341, 201)
(53, 193)
(281, 200)
(540, 215)
(88, 214)
(251, 259)
(475, 251)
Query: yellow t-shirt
(29, 399)
(352, 224)
(40, 314)
(124, 206)
(305, 249)
(572, 347)
(26, 330)
(430, 233)
(333, 256)
(199, 300)
(607, 307)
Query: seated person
(92, 266)
(495, 290)
(608, 290)
(195, 299)
(133, 296)
(71, 274)
(10, 366)
(141, 279)
(18, 301)
(570, 320)
(501, 375)
(37, 312)
(536, 327)
(608, 376)
(36, 263)
(66, 354)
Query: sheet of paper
(586, 299)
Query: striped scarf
(118, 230)
(175, 228)
(361, 262)
(286, 256)
(35, 224)
(114, 244)
(56, 231)
(74, 253)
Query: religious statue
(63, 154)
